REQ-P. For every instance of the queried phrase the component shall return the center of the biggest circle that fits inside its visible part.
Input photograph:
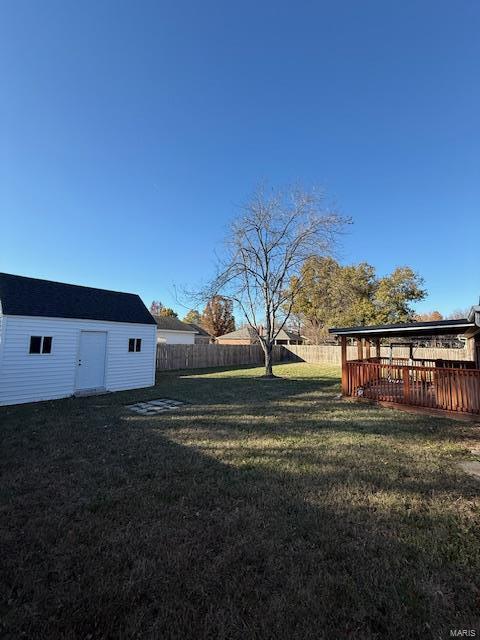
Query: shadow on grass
(262, 510)
(270, 518)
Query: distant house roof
(21, 296)
(437, 327)
(286, 334)
(171, 323)
(198, 329)
(247, 333)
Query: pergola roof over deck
(404, 330)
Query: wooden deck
(454, 388)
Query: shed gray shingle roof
(170, 323)
(22, 296)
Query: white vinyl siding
(169, 336)
(26, 377)
(1, 325)
(2, 333)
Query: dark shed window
(40, 344)
(36, 344)
(134, 344)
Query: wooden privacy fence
(331, 354)
(203, 356)
(452, 388)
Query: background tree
(167, 312)
(395, 293)
(337, 295)
(267, 245)
(156, 307)
(217, 317)
(193, 317)
(459, 314)
(333, 295)
(428, 316)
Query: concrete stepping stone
(472, 468)
(155, 407)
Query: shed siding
(28, 377)
(175, 337)
(3, 322)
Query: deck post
(406, 384)
(367, 348)
(343, 342)
(470, 348)
(477, 352)
(360, 348)
(377, 348)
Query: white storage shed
(58, 339)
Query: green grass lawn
(263, 509)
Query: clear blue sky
(129, 132)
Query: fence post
(359, 349)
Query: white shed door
(91, 360)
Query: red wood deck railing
(425, 362)
(441, 387)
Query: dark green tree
(333, 295)
(395, 293)
(350, 295)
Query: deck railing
(425, 362)
(439, 387)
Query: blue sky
(130, 132)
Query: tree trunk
(268, 360)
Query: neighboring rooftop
(171, 323)
(198, 329)
(286, 334)
(22, 296)
(247, 333)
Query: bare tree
(459, 314)
(267, 244)
(156, 307)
